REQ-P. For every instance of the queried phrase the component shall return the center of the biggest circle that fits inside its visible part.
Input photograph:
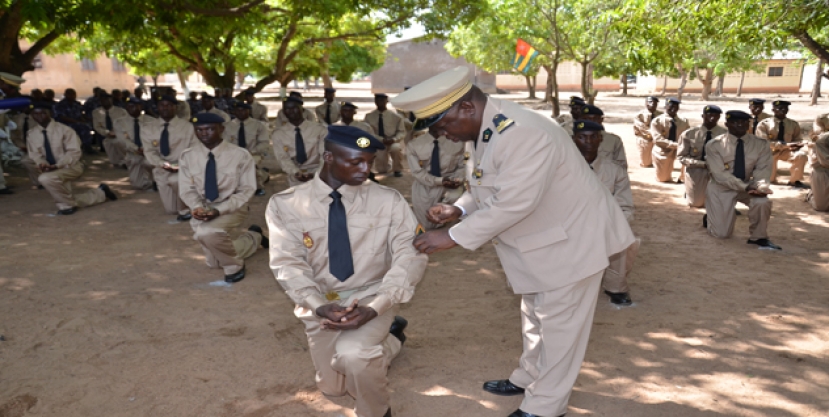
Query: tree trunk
(818, 79)
(720, 85)
(12, 59)
(591, 92)
(683, 79)
(812, 45)
(553, 80)
(530, 85)
(548, 88)
(707, 81)
(664, 85)
(155, 80)
(740, 88)
(624, 81)
(183, 81)
(585, 91)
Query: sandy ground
(110, 312)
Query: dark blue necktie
(328, 114)
(340, 262)
(165, 140)
(740, 161)
(241, 140)
(211, 183)
(301, 155)
(136, 133)
(781, 132)
(108, 120)
(25, 129)
(47, 149)
(707, 139)
(434, 169)
(672, 132)
(381, 130)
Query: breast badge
(332, 296)
(306, 239)
(487, 135)
(155, 143)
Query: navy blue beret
(355, 138)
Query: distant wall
(568, 76)
(410, 62)
(65, 71)
(787, 82)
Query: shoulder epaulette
(502, 122)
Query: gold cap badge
(363, 142)
(195, 120)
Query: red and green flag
(524, 55)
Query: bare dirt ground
(109, 312)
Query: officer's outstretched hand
(443, 213)
(434, 241)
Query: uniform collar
(322, 190)
(493, 107)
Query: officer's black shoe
(388, 413)
(398, 174)
(39, 187)
(619, 298)
(260, 192)
(503, 387)
(519, 413)
(184, 217)
(155, 186)
(265, 242)
(764, 244)
(397, 326)
(87, 149)
(234, 278)
(798, 184)
(108, 192)
(705, 220)
(66, 212)
(737, 212)
(6, 191)
(371, 177)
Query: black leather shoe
(184, 217)
(705, 220)
(503, 387)
(764, 244)
(519, 413)
(155, 186)
(798, 184)
(6, 191)
(234, 278)
(260, 192)
(388, 413)
(397, 326)
(66, 212)
(39, 187)
(737, 212)
(265, 242)
(398, 174)
(619, 298)
(108, 192)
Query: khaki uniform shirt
(259, 112)
(616, 180)
(691, 144)
(358, 124)
(768, 128)
(64, 142)
(282, 120)
(531, 193)
(820, 125)
(284, 146)
(257, 137)
(99, 118)
(642, 124)
(661, 128)
(760, 117)
(381, 227)
(393, 125)
(235, 175)
(819, 153)
(419, 154)
(125, 130)
(564, 118)
(613, 149)
(219, 112)
(334, 114)
(719, 156)
(181, 135)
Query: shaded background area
(110, 312)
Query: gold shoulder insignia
(502, 122)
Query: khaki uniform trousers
(696, 182)
(381, 161)
(645, 148)
(615, 278)
(224, 245)
(664, 165)
(167, 183)
(58, 184)
(720, 203)
(31, 168)
(354, 362)
(797, 159)
(140, 171)
(556, 326)
(115, 150)
(818, 196)
(424, 197)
